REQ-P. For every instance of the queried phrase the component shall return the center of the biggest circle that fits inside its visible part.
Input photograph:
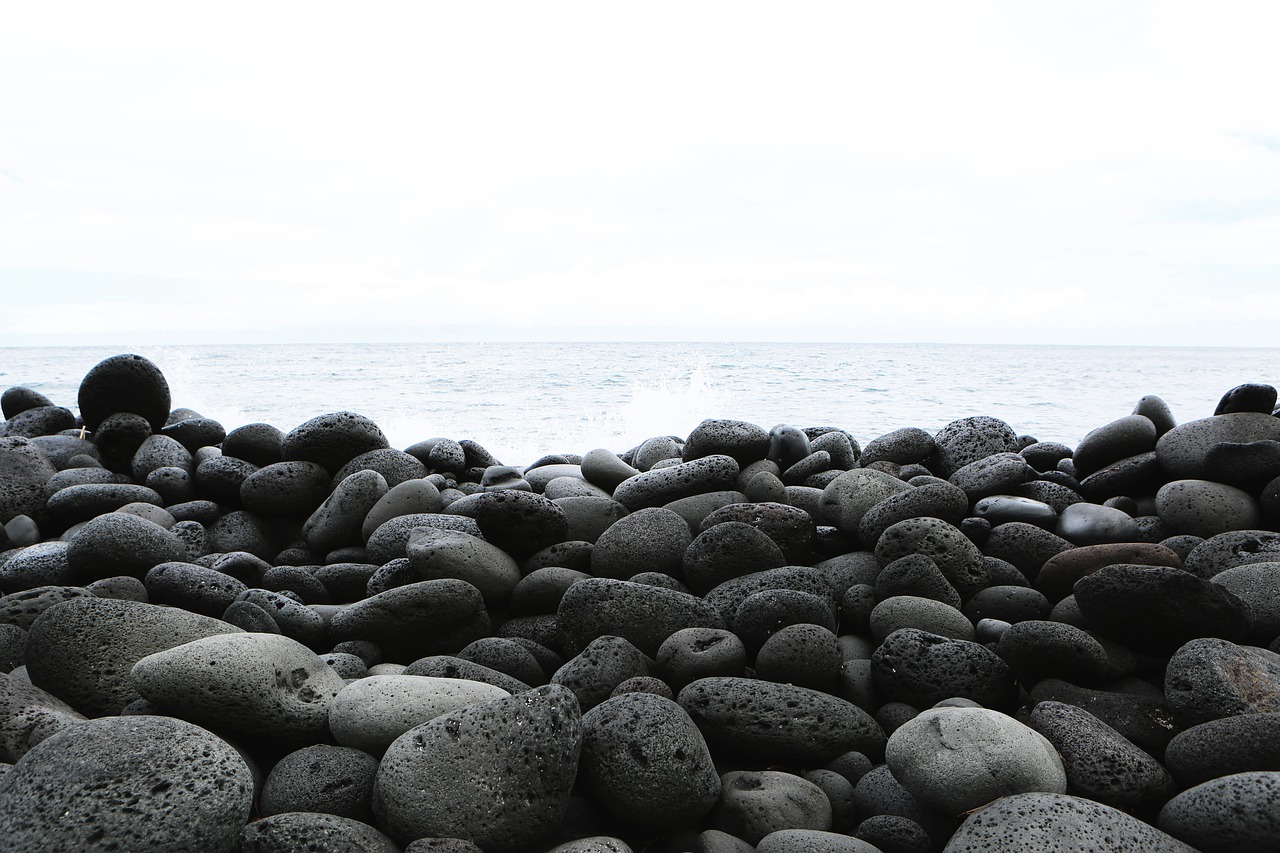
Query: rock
(1210, 678)
(156, 452)
(908, 611)
(1026, 546)
(1250, 397)
(938, 499)
(498, 774)
(603, 468)
(127, 783)
(803, 654)
(744, 442)
(28, 716)
(645, 762)
(81, 650)
(195, 433)
(1224, 746)
(451, 666)
(336, 780)
(1037, 649)
(1144, 720)
(39, 565)
(1156, 609)
(762, 614)
(520, 523)
(417, 619)
(1233, 548)
(968, 440)
(192, 587)
(725, 551)
(728, 597)
(956, 557)
(1183, 451)
(1092, 524)
(256, 684)
(778, 722)
(1010, 604)
(991, 475)
(791, 528)
(438, 554)
(1039, 822)
(286, 489)
(120, 544)
(1258, 586)
(124, 383)
(1101, 763)
(754, 804)
(922, 669)
(915, 575)
(1205, 508)
(595, 672)
(956, 759)
(293, 832)
(902, 447)
(999, 509)
(42, 420)
(19, 399)
(643, 614)
(658, 486)
(847, 498)
(24, 470)
(332, 440)
(589, 516)
(693, 653)
(395, 466)
(1120, 439)
(1059, 574)
(1232, 814)
(294, 619)
(258, 444)
(649, 539)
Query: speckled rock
(407, 498)
(390, 540)
(1007, 603)
(802, 654)
(256, 684)
(451, 666)
(991, 475)
(744, 442)
(1232, 814)
(725, 551)
(754, 804)
(1258, 586)
(790, 527)
(438, 554)
(1057, 823)
(82, 650)
(127, 783)
(1037, 649)
(417, 619)
(1143, 718)
(520, 523)
(778, 722)
(1134, 476)
(693, 653)
(917, 575)
(24, 470)
(598, 669)
(643, 614)
(1059, 574)
(1224, 746)
(645, 762)
(968, 440)
(120, 544)
(1210, 678)
(29, 715)
(498, 774)
(649, 539)
(124, 383)
(192, 587)
(729, 596)
(847, 498)
(955, 555)
(312, 832)
(336, 780)
(922, 669)
(1233, 548)
(332, 440)
(1117, 440)
(605, 469)
(909, 611)
(937, 499)
(288, 489)
(1205, 508)
(338, 520)
(23, 608)
(1026, 546)
(659, 486)
(1183, 450)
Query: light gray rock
(848, 497)
(370, 713)
(438, 554)
(956, 759)
(338, 521)
(409, 498)
(812, 841)
(313, 832)
(259, 684)
(909, 611)
(499, 774)
(754, 804)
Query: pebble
(922, 669)
(192, 587)
(1094, 524)
(1230, 814)
(127, 783)
(1058, 575)
(957, 759)
(28, 716)
(1184, 450)
(332, 440)
(605, 469)
(24, 470)
(1205, 508)
(1120, 439)
(439, 554)
(648, 539)
(803, 654)
(498, 774)
(935, 499)
(968, 440)
(916, 575)
(909, 611)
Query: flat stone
(605, 469)
(498, 774)
(729, 596)
(1133, 476)
(451, 666)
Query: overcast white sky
(1082, 172)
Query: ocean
(523, 400)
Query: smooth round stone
(1210, 678)
(847, 498)
(1026, 546)
(120, 544)
(694, 653)
(791, 528)
(968, 440)
(1155, 609)
(696, 508)
(1258, 586)
(729, 596)
(219, 478)
(1093, 524)
(156, 452)
(313, 832)
(19, 399)
(653, 450)
(294, 619)
(255, 443)
(1157, 411)
(1118, 440)
(40, 564)
(572, 487)
(1183, 451)
(411, 497)
(332, 440)
(605, 469)
(1010, 604)
(301, 581)
(336, 780)
(812, 841)
(1056, 495)
(540, 591)
(1231, 814)
(81, 650)
(24, 471)
(999, 509)
(1039, 822)
(754, 804)
(1142, 718)
(415, 620)
(195, 433)
(124, 383)
(743, 441)
(725, 551)
(286, 489)
(451, 666)
(643, 614)
(370, 713)
(839, 446)
(1059, 574)
(40, 421)
(804, 654)
(935, 499)
(1224, 746)
(1205, 508)
(28, 716)
(589, 516)
(395, 466)
(606, 662)
(1037, 649)
(915, 575)
(815, 463)
(922, 669)
(787, 445)
(1132, 476)
(192, 587)
(956, 557)
(1101, 763)
(957, 759)
(256, 684)
(1249, 397)
(439, 554)
(506, 656)
(649, 539)
(458, 776)
(83, 502)
(645, 762)
(1248, 465)
(440, 454)
(519, 522)
(128, 783)
(659, 486)
(908, 611)
(770, 721)
(902, 446)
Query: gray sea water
(521, 400)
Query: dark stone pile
(744, 639)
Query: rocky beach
(744, 638)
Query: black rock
(922, 669)
(332, 440)
(124, 383)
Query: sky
(1009, 172)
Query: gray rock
(127, 783)
(439, 554)
(192, 587)
(649, 539)
(902, 447)
(1205, 508)
(728, 597)
(725, 551)
(450, 666)
(991, 475)
(916, 575)
(29, 715)
(88, 500)
(288, 489)
(335, 780)
(370, 713)
(340, 519)
(1233, 548)
(1093, 524)
(1258, 586)
(13, 647)
(812, 841)
(790, 527)
(1120, 439)
(968, 440)
(257, 443)
(312, 832)
(498, 774)
(332, 440)
(1025, 546)
(1208, 678)
(1010, 604)
(643, 614)
(1224, 746)
(778, 722)
(755, 804)
(802, 654)
(999, 509)
(124, 383)
(594, 844)
(83, 649)
(24, 471)
(411, 497)
(922, 669)
(605, 469)
(597, 670)
(120, 544)
(23, 608)
(645, 762)
(909, 611)
(935, 499)
(693, 653)
(1232, 814)
(1057, 823)
(519, 522)
(1183, 451)
(589, 516)
(1037, 649)
(415, 620)
(745, 442)
(294, 619)
(156, 452)
(847, 498)
(395, 466)
(659, 486)
(955, 555)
